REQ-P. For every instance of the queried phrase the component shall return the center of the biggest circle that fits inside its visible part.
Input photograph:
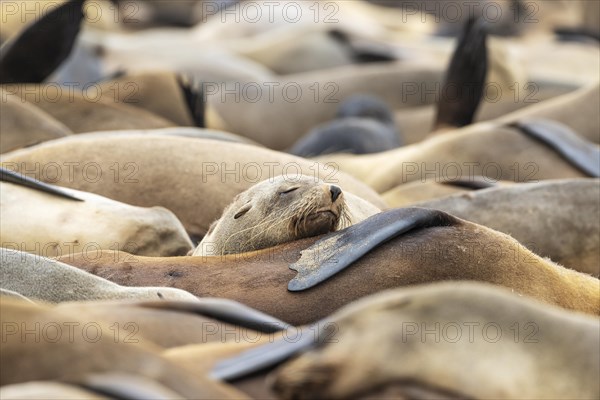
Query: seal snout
(335, 192)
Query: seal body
(280, 210)
(364, 124)
(47, 225)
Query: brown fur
(167, 171)
(82, 115)
(417, 191)
(555, 219)
(49, 225)
(578, 110)
(416, 123)
(150, 325)
(465, 251)
(261, 120)
(501, 152)
(73, 358)
(380, 342)
(156, 92)
(23, 124)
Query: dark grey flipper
(194, 97)
(7, 175)
(465, 80)
(36, 52)
(579, 34)
(124, 386)
(475, 182)
(338, 250)
(263, 357)
(224, 310)
(363, 51)
(583, 154)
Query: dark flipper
(581, 153)
(263, 357)
(7, 175)
(474, 182)
(37, 51)
(194, 97)
(226, 311)
(363, 51)
(465, 79)
(338, 250)
(577, 35)
(118, 385)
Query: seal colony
(125, 145)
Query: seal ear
(465, 77)
(245, 208)
(36, 52)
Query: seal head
(276, 211)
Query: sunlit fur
(267, 216)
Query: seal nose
(335, 192)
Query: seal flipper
(6, 175)
(36, 52)
(362, 51)
(581, 153)
(467, 74)
(262, 357)
(472, 182)
(118, 385)
(194, 97)
(338, 250)
(226, 311)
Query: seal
(528, 211)
(40, 278)
(363, 124)
(454, 250)
(24, 124)
(567, 109)
(282, 210)
(347, 358)
(559, 153)
(213, 170)
(79, 114)
(174, 97)
(203, 321)
(75, 358)
(419, 191)
(54, 225)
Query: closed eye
(290, 190)
(242, 211)
(239, 214)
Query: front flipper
(7, 175)
(338, 250)
(224, 310)
(37, 51)
(581, 153)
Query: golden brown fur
(556, 219)
(71, 358)
(460, 340)
(464, 251)
(23, 124)
(80, 114)
(194, 178)
(486, 149)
